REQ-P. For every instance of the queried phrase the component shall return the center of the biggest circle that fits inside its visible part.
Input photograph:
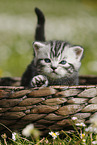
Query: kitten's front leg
(39, 81)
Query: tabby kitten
(55, 63)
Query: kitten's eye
(63, 62)
(47, 60)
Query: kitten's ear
(78, 51)
(37, 45)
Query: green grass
(74, 137)
(74, 21)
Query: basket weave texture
(49, 108)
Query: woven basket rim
(55, 87)
(82, 77)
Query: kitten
(55, 63)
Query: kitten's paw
(39, 81)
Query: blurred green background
(71, 20)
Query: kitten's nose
(53, 67)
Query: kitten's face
(57, 59)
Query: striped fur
(56, 52)
(57, 61)
(57, 47)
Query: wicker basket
(49, 108)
